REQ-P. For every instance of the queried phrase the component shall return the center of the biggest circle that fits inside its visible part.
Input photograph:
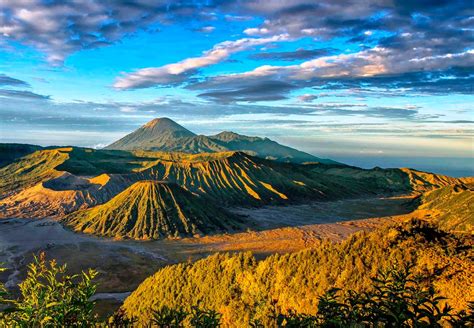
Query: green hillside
(152, 210)
(31, 169)
(241, 289)
(264, 148)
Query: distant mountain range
(163, 134)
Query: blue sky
(369, 83)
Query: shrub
(49, 297)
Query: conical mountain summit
(163, 134)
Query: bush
(49, 297)
(175, 318)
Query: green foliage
(451, 207)
(30, 170)
(204, 318)
(120, 320)
(169, 318)
(397, 300)
(280, 291)
(3, 291)
(52, 298)
(9, 152)
(464, 318)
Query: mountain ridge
(163, 134)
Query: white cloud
(128, 109)
(256, 31)
(178, 72)
(366, 63)
(206, 29)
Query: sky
(371, 83)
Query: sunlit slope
(237, 178)
(151, 210)
(452, 207)
(396, 179)
(61, 195)
(53, 182)
(239, 287)
(31, 169)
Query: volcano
(163, 134)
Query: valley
(236, 164)
(141, 205)
(123, 264)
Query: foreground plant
(49, 297)
(397, 299)
(175, 318)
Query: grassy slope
(150, 210)
(230, 177)
(31, 169)
(265, 148)
(42, 188)
(452, 207)
(239, 287)
(225, 175)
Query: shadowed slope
(156, 134)
(151, 210)
(265, 148)
(9, 152)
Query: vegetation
(242, 289)
(396, 300)
(30, 170)
(58, 181)
(152, 210)
(388, 278)
(451, 207)
(10, 152)
(49, 297)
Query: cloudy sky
(372, 82)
